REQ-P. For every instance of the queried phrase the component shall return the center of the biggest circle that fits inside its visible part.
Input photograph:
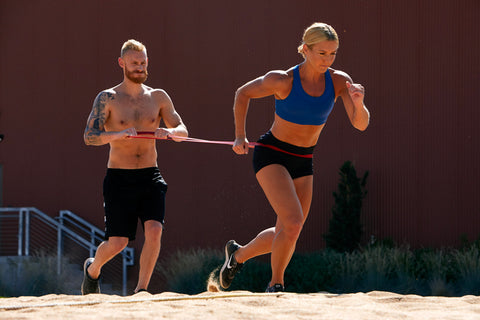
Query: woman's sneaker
(275, 288)
(231, 266)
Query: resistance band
(150, 135)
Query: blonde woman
(304, 97)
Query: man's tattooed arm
(96, 120)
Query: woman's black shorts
(129, 195)
(295, 165)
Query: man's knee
(117, 243)
(153, 231)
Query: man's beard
(132, 76)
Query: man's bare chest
(127, 112)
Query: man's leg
(93, 266)
(106, 251)
(150, 252)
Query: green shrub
(189, 271)
(467, 269)
(254, 276)
(33, 276)
(386, 269)
(394, 269)
(312, 272)
(443, 272)
(345, 229)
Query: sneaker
(275, 288)
(231, 266)
(141, 290)
(89, 285)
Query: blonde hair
(316, 33)
(132, 45)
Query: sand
(373, 305)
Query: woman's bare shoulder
(339, 75)
(279, 77)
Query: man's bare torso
(142, 112)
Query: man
(133, 187)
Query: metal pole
(20, 232)
(92, 241)
(59, 246)
(27, 232)
(124, 275)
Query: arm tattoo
(96, 121)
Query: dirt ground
(374, 305)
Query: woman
(304, 97)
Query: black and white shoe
(231, 266)
(275, 288)
(89, 285)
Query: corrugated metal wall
(417, 59)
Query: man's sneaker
(275, 288)
(231, 266)
(89, 285)
(141, 290)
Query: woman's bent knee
(292, 229)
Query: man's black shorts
(129, 195)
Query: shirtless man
(133, 187)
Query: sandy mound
(241, 305)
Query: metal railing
(67, 224)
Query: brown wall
(417, 59)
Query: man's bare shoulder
(157, 91)
(159, 94)
(113, 91)
(106, 96)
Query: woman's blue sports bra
(301, 108)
